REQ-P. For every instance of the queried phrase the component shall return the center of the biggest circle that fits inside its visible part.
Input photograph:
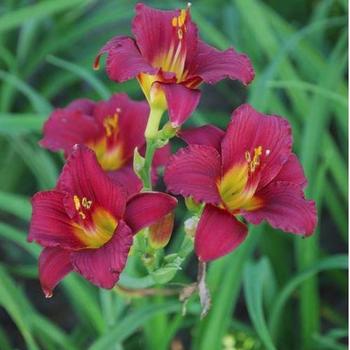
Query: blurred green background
(276, 291)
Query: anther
(76, 202)
(86, 203)
(174, 22)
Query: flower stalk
(152, 127)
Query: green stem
(153, 123)
(151, 134)
(151, 146)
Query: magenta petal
(144, 209)
(50, 225)
(182, 101)
(161, 156)
(218, 233)
(292, 172)
(193, 171)
(83, 176)
(128, 179)
(250, 129)
(154, 32)
(285, 208)
(213, 65)
(54, 265)
(69, 126)
(124, 60)
(103, 266)
(208, 135)
(82, 104)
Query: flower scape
(104, 208)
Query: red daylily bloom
(170, 61)
(248, 171)
(86, 224)
(112, 128)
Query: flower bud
(160, 232)
(168, 131)
(192, 205)
(138, 163)
(190, 225)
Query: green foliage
(299, 53)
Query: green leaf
(20, 124)
(83, 73)
(46, 330)
(42, 9)
(224, 285)
(14, 302)
(39, 103)
(12, 234)
(333, 262)
(131, 323)
(16, 205)
(256, 275)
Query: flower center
(237, 187)
(173, 60)
(108, 149)
(95, 225)
(111, 124)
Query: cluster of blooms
(113, 149)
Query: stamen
(82, 215)
(255, 162)
(76, 202)
(86, 203)
(180, 34)
(110, 124)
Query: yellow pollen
(86, 203)
(253, 163)
(110, 124)
(179, 22)
(76, 202)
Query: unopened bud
(168, 131)
(139, 162)
(190, 225)
(192, 205)
(160, 232)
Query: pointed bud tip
(48, 293)
(96, 65)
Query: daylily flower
(247, 172)
(86, 224)
(112, 128)
(170, 61)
